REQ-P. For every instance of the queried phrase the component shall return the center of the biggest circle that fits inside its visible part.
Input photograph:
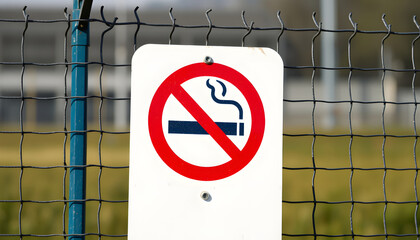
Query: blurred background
(350, 109)
(45, 45)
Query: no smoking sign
(172, 86)
(205, 158)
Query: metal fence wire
(357, 179)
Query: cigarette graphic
(192, 127)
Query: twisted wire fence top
(315, 205)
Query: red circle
(162, 147)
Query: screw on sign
(204, 124)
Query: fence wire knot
(173, 25)
(210, 26)
(248, 27)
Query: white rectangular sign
(206, 143)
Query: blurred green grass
(48, 184)
(334, 185)
(329, 185)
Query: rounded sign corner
(275, 55)
(142, 50)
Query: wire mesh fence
(357, 178)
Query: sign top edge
(152, 48)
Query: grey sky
(197, 4)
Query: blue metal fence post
(77, 176)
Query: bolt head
(205, 196)
(208, 60)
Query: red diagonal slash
(205, 121)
